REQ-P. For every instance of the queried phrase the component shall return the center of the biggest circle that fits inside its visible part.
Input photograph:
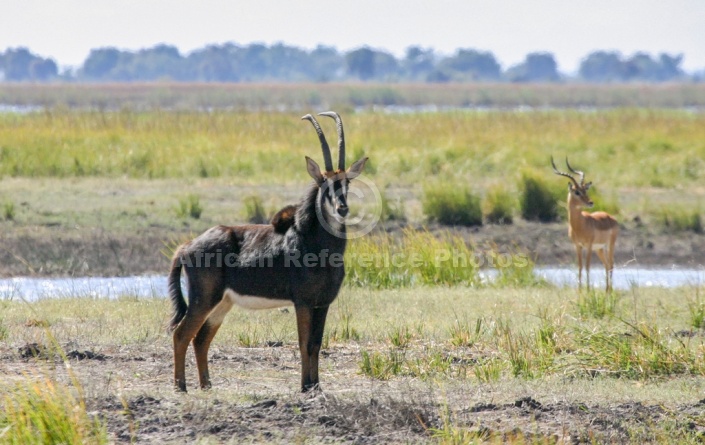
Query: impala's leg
(588, 258)
(304, 322)
(610, 254)
(579, 253)
(318, 322)
(203, 339)
(602, 254)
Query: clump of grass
(44, 411)
(530, 355)
(488, 370)
(680, 219)
(451, 204)
(417, 257)
(8, 210)
(344, 331)
(189, 207)
(449, 434)
(537, 200)
(597, 304)
(463, 334)
(643, 352)
(400, 336)
(696, 311)
(254, 210)
(248, 338)
(381, 366)
(498, 206)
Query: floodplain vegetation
(421, 348)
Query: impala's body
(597, 230)
(295, 260)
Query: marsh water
(32, 289)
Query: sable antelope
(297, 259)
(589, 230)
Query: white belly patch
(250, 302)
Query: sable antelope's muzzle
(342, 210)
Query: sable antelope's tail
(175, 294)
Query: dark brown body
(229, 265)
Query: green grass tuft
(538, 201)
(498, 206)
(451, 204)
(189, 207)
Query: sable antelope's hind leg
(183, 334)
(202, 341)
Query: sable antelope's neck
(307, 219)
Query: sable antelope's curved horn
(341, 137)
(555, 170)
(577, 172)
(324, 144)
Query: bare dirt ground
(254, 400)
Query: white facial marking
(250, 302)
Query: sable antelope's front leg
(304, 315)
(315, 342)
(310, 323)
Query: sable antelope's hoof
(206, 387)
(314, 387)
(180, 387)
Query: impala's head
(578, 191)
(333, 183)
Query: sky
(66, 30)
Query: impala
(260, 266)
(597, 230)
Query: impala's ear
(355, 169)
(588, 185)
(314, 170)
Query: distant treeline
(281, 63)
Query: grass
(503, 342)
(452, 205)
(189, 207)
(679, 218)
(349, 95)
(538, 199)
(498, 205)
(476, 148)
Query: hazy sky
(570, 29)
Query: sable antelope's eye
(577, 193)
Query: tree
(100, 63)
(418, 63)
(470, 64)
(602, 66)
(537, 67)
(360, 63)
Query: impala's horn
(577, 172)
(324, 144)
(555, 170)
(341, 137)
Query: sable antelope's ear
(314, 170)
(355, 169)
(588, 185)
(570, 186)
